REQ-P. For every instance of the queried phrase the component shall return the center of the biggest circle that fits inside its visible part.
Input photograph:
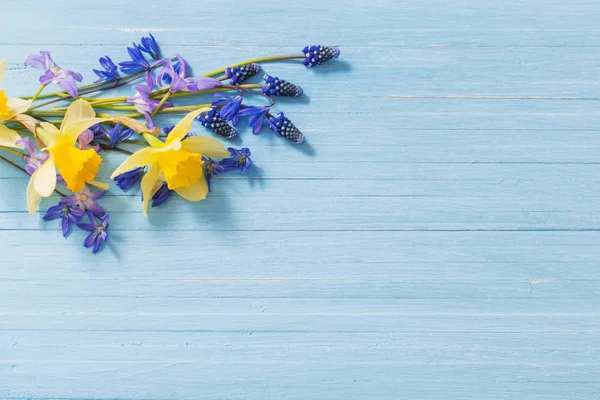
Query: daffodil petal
(195, 192)
(206, 146)
(79, 109)
(140, 158)
(134, 124)
(149, 186)
(99, 185)
(3, 68)
(27, 120)
(75, 129)
(48, 133)
(8, 137)
(185, 125)
(33, 198)
(44, 182)
(17, 106)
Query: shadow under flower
(333, 67)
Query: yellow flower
(76, 166)
(10, 107)
(175, 161)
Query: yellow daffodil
(10, 107)
(76, 166)
(175, 161)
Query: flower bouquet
(59, 137)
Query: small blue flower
(230, 106)
(257, 117)
(278, 87)
(67, 214)
(240, 159)
(150, 46)
(129, 179)
(119, 134)
(138, 62)
(213, 121)
(168, 129)
(85, 200)
(98, 231)
(166, 78)
(211, 168)
(282, 126)
(110, 73)
(161, 195)
(317, 55)
(241, 73)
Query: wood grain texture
(437, 237)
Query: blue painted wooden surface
(436, 239)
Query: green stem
(13, 151)
(255, 60)
(161, 103)
(37, 94)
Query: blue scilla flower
(282, 126)
(67, 214)
(111, 71)
(98, 231)
(177, 67)
(129, 179)
(317, 55)
(161, 195)
(230, 106)
(241, 73)
(239, 159)
(138, 62)
(150, 46)
(119, 134)
(257, 117)
(278, 87)
(210, 169)
(213, 121)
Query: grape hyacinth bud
(213, 121)
(317, 55)
(241, 73)
(278, 87)
(282, 126)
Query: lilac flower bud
(282, 126)
(241, 73)
(213, 121)
(278, 87)
(317, 55)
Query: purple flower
(34, 160)
(150, 46)
(278, 87)
(85, 199)
(282, 126)
(257, 117)
(142, 101)
(161, 195)
(317, 55)
(86, 140)
(119, 134)
(230, 106)
(110, 73)
(53, 74)
(129, 179)
(240, 159)
(213, 121)
(211, 168)
(98, 231)
(241, 73)
(179, 80)
(138, 61)
(67, 214)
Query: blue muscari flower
(110, 73)
(213, 121)
(239, 159)
(137, 63)
(282, 126)
(278, 87)
(230, 106)
(98, 231)
(211, 168)
(67, 214)
(129, 179)
(317, 55)
(161, 195)
(150, 46)
(257, 117)
(241, 73)
(119, 134)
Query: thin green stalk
(255, 60)
(161, 103)
(40, 90)
(13, 151)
